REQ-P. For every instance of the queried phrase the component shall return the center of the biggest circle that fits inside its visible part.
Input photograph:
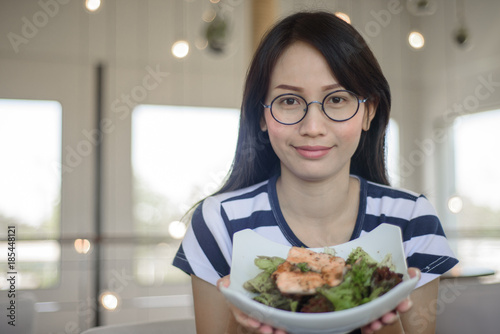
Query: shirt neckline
(287, 231)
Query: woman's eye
(290, 101)
(336, 99)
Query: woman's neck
(319, 213)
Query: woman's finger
(372, 327)
(405, 305)
(389, 318)
(223, 281)
(243, 319)
(386, 319)
(280, 331)
(413, 272)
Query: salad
(311, 282)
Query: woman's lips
(312, 152)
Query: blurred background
(116, 116)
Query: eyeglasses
(339, 106)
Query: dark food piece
(384, 277)
(317, 304)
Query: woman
(309, 171)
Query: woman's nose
(314, 123)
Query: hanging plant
(216, 34)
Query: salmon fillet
(321, 268)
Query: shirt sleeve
(206, 248)
(425, 245)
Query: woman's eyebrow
(299, 89)
(334, 86)
(289, 87)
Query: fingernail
(266, 330)
(377, 326)
(410, 303)
(393, 318)
(253, 323)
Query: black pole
(98, 190)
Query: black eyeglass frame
(321, 103)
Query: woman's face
(316, 148)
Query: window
(476, 203)
(179, 156)
(392, 153)
(477, 181)
(30, 184)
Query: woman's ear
(369, 115)
(263, 124)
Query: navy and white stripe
(206, 249)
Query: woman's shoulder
(248, 194)
(377, 190)
(237, 205)
(395, 202)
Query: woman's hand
(250, 324)
(393, 316)
(255, 326)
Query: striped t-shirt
(207, 246)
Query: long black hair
(355, 68)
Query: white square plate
(383, 240)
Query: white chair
(181, 326)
